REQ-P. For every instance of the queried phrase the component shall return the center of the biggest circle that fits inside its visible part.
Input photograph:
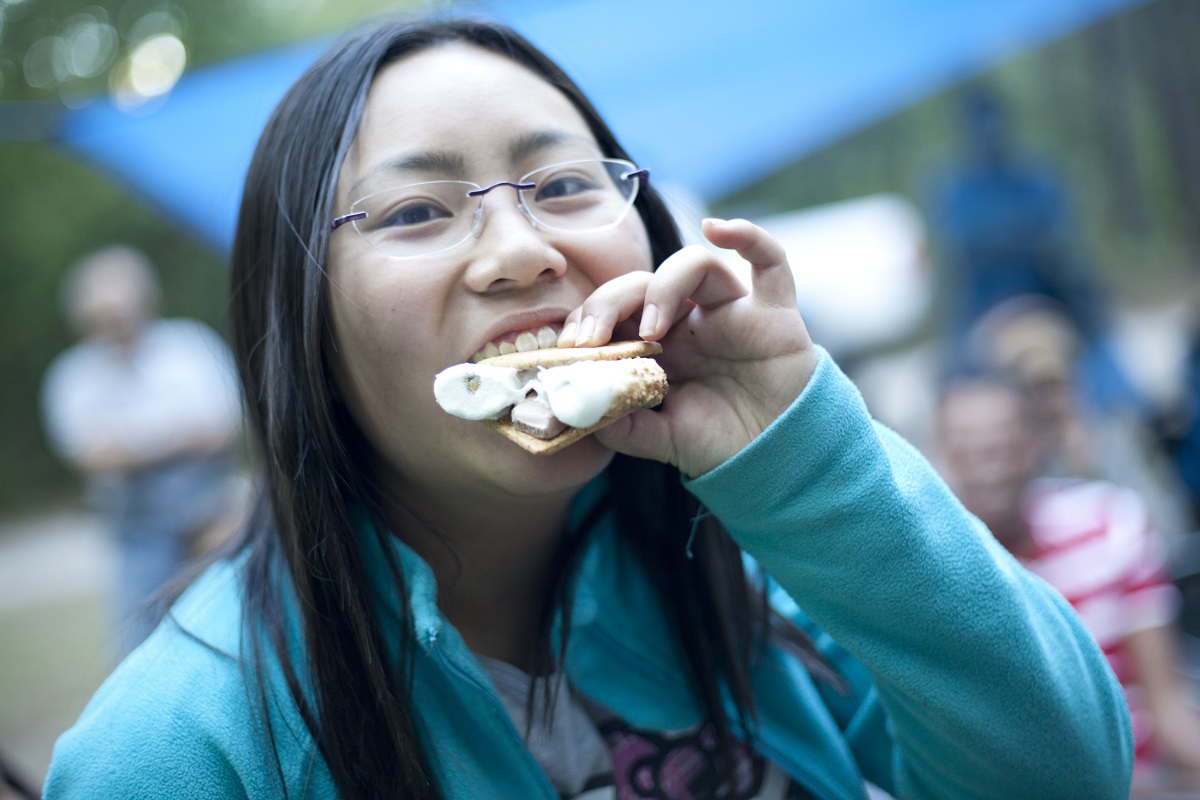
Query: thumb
(642, 434)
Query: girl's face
(457, 112)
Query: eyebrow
(439, 161)
(454, 165)
(531, 143)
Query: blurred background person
(147, 409)
(1094, 542)
(1006, 222)
(1185, 443)
(1179, 431)
(1090, 428)
(1178, 424)
(1006, 227)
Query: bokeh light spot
(156, 64)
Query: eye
(563, 186)
(416, 213)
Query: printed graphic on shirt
(682, 766)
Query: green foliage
(211, 30)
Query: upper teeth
(540, 339)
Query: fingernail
(649, 324)
(567, 335)
(586, 329)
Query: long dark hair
(355, 696)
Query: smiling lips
(542, 338)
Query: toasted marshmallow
(478, 392)
(580, 394)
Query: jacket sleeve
(145, 735)
(992, 686)
(179, 717)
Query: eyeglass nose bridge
(518, 186)
(477, 223)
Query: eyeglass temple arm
(342, 220)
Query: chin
(569, 468)
(467, 459)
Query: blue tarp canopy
(710, 94)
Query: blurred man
(147, 409)
(1005, 223)
(1091, 540)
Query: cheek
(637, 240)
(362, 325)
(385, 381)
(357, 354)
(624, 249)
(375, 336)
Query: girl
(418, 608)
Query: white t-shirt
(588, 753)
(178, 381)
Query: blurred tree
(1112, 106)
(72, 49)
(1168, 31)
(1110, 52)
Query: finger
(570, 328)
(592, 323)
(771, 279)
(642, 434)
(692, 276)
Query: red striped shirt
(1094, 542)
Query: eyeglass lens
(427, 218)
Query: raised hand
(736, 358)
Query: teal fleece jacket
(968, 677)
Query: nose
(510, 252)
